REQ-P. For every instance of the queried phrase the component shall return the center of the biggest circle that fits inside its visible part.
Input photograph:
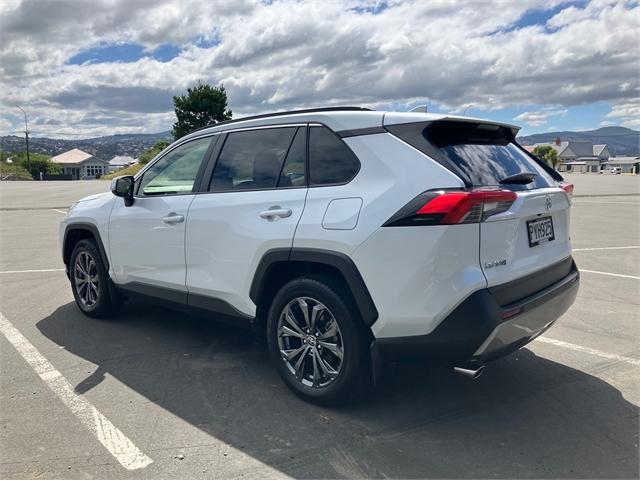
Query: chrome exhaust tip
(471, 372)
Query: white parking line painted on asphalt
(116, 442)
(592, 351)
(35, 271)
(603, 248)
(64, 212)
(576, 201)
(610, 274)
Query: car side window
(176, 172)
(330, 160)
(251, 159)
(293, 170)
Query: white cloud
(630, 109)
(627, 113)
(540, 117)
(297, 54)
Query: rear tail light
(453, 207)
(567, 187)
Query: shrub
(14, 171)
(149, 154)
(130, 170)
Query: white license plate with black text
(540, 231)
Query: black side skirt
(187, 302)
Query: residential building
(81, 165)
(626, 164)
(579, 156)
(121, 161)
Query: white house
(80, 165)
(121, 161)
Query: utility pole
(26, 137)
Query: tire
(317, 373)
(94, 297)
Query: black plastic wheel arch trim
(87, 227)
(337, 260)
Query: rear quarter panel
(391, 174)
(418, 275)
(415, 275)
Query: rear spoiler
(417, 135)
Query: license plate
(540, 231)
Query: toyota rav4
(348, 237)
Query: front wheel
(314, 341)
(90, 281)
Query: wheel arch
(74, 232)
(280, 265)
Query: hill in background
(622, 141)
(106, 148)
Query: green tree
(547, 154)
(39, 163)
(202, 105)
(150, 153)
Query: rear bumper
(480, 329)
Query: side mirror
(123, 187)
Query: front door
(146, 240)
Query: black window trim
(214, 139)
(411, 133)
(284, 161)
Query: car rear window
(486, 154)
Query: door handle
(276, 211)
(173, 218)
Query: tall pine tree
(202, 105)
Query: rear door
(532, 235)
(254, 202)
(534, 232)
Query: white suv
(347, 236)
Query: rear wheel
(314, 341)
(90, 281)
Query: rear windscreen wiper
(519, 178)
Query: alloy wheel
(85, 275)
(310, 342)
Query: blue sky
(545, 65)
(124, 52)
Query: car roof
(337, 119)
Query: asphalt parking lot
(192, 398)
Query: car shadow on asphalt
(525, 417)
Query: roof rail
(290, 112)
